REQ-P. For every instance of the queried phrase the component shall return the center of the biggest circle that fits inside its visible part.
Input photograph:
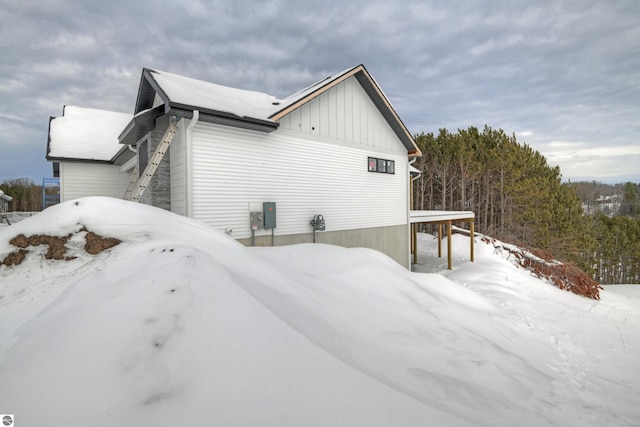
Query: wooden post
(449, 263)
(439, 240)
(414, 236)
(412, 230)
(471, 236)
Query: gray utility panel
(269, 210)
(257, 220)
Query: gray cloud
(564, 76)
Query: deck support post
(414, 242)
(449, 263)
(471, 239)
(439, 240)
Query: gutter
(132, 162)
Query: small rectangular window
(381, 165)
(391, 167)
(373, 164)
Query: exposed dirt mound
(96, 244)
(15, 258)
(57, 246)
(542, 264)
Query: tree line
(517, 197)
(616, 237)
(27, 195)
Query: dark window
(373, 164)
(381, 165)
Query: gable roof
(85, 134)
(243, 108)
(372, 89)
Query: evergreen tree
(27, 196)
(630, 205)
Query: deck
(440, 218)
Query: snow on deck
(437, 216)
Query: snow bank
(181, 325)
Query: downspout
(188, 163)
(413, 244)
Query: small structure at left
(86, 153)
(4, 206)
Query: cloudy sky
(563, 75)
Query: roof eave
(77, 160)
(147, 90)
(376, 95)
(213, 116)
(142, 123)
(317, 92)
(49, 138)
(387, 111)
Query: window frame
(378, 165)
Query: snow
(211, 96)
(436, 216)
(182, 325)
(85, 133)
(239, 102)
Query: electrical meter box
(257, 220)
(269, 209)
(318, 223)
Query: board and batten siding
(345, 113)
(91, 179)
(304, 175)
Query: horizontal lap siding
(91, 179)
(233, 167)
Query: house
(257, 167)
(4, 207)
(84, 148)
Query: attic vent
(275, 103)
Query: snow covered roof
(188, 92)
(86, 134)
(249, 109)
(180, 91)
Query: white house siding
(91, 179)
(304, 174)
(178, 170)
(345, 113)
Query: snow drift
(181, 325)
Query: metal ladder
(132, 183)
(136, 193)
